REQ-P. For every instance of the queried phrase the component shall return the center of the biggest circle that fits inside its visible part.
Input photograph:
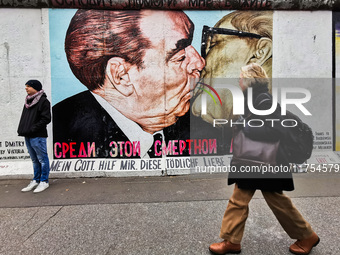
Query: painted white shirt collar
(130, 128)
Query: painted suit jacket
(80, 119)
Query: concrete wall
(24, 54)
(302, 48)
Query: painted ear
(117, 73)
(263, 51)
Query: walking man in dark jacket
(34, 119)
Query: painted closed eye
(178, 60)
(181, 58)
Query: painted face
(225, 55)
(170, 65)
(30, 91)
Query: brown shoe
(304, 247)
(225, 247)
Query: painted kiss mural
(135, 72)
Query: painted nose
(196, 62)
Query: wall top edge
(177, 4)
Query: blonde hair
(254, 76)
(259, 22)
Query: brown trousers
(289, 217)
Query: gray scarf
(32, 100)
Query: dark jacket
(34, 120)
(270, 182)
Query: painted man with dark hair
(94, 37)
(138, 67)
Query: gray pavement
(155, 215)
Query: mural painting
(140, 90)
(136, 73)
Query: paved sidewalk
(155, 215)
